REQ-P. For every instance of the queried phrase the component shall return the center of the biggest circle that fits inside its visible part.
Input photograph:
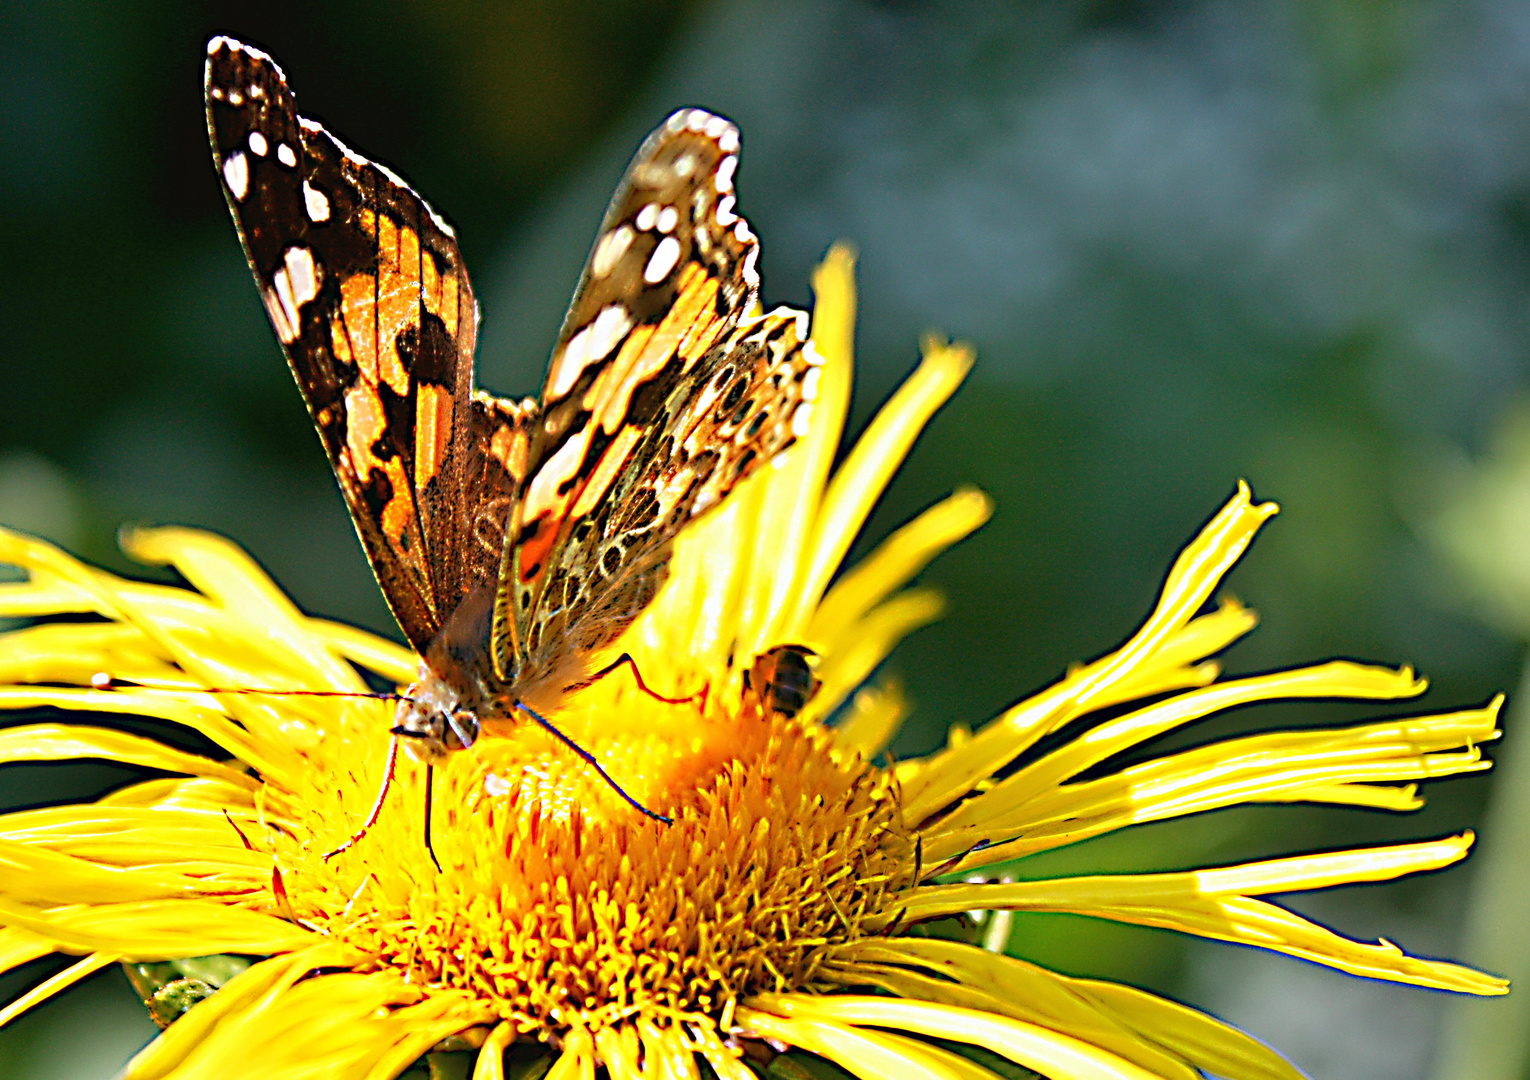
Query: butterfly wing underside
(664, 391)
(367, 293)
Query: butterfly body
(514, 541)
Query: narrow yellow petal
(390, 660)
(851, 662)
(1088, 1025)
(223, 572)
(490, 1063)
(1337, 679)
(871, 719)
(859, 482)
(62, 981)
(1128, 1024)
(777, 604)
(896, 560)
(871, 1055)
(1050, 1053)
(1214, 1047)
(241, 993)
(1216, 904)
(158, 929)
(19, 947)
(62, 742)
(35, 876)
(1195, 575)
(270, 759)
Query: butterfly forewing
(629, 448)
(366, 290)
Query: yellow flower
(783, 907)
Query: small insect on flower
(794, 903)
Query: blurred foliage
(1192, 242)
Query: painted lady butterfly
(513, 540)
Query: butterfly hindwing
(366, 290)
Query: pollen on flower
(556, 897)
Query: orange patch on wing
(616, 454)
(432, 431)
(610, 396)
(398, 298)
(364, 425)
(340, 341)
(531, 556)
(358, 306)
(509, 447)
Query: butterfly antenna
(430, 777)
(589, 759)
(377, 803)
(101, 680)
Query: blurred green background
(1192, 242)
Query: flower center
(555, 895)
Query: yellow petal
(490, 1063)
(849, 663)
(1196, 573)
(1216, 904)
(871, 719)
(1137, 1025)
(158, 929)
(62, 981)
(895, 561)
(1050, 1053)
(859, 482)
(1340, 766)
(19, 947)
(1337, 679)
(62, 742)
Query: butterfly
(513, 540)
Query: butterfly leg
(589, 759)
(430, 776)
(377, 804)
(626, 658)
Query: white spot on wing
(724, 211)
(668, 217)
(646, 217)
(303, 273)
(285, 155)
(810, 383)
(801, 419)
(236, 174)
(662, 261)
(728, 142)
(590, 345)
(235, 98)
(294, 284)
(716, 126)
(697, 119)
(257, 144)
(684, 165)
(609, 251)
(723, 181)
(316, 203)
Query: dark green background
(1192, 242)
